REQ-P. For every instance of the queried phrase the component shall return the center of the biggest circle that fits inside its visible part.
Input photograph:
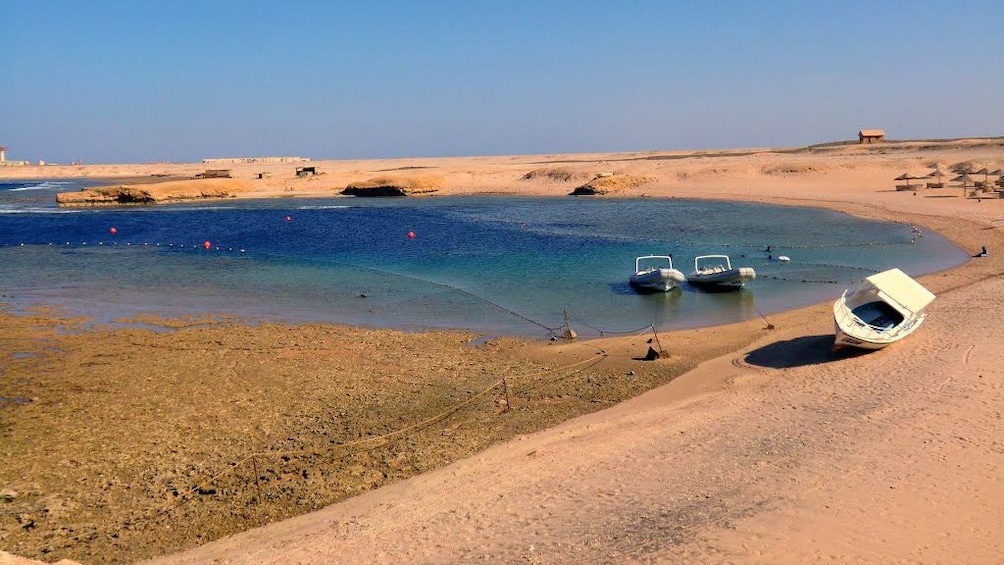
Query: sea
(495, 265)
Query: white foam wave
(329, 207)
(44, 185)
(185, 208)
(38, 211)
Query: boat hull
(731, 279)
(843, 340)
(657, 280)
(852, 332)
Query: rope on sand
(603, 332)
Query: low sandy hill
(148, 193)
(611, 184)
(395, 185)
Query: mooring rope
(603, 332)
(447, 286)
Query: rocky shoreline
(155, 191)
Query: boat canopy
(898, 286)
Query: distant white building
(255, 160)
(5, 163)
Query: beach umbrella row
(969, 169)
(966, 168)
(940, 170)
(966, 177)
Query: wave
(185, 208)
(43, 185)
(4, 210)
(329, 207)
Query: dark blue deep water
(491, 264)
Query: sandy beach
(746, 444)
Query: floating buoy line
(206, 245)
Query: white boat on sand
(655, 273)
(715, 272)
(881, 309)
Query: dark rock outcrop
(394, 186)
(608, 184)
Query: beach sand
(744, 445)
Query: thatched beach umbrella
(938, 172)
(964, 178)
(907, 177)
(965, 167)
(998, 173)
(983, 172)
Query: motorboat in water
(655, 273)
(880, 310)
(715, 272)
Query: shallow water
(492, 264)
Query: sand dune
(155, 192)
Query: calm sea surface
(499, 265)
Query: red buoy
(207, 245)
(113, 230)
(411, 235)
(288, 218)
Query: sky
(126, 81)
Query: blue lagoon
(497, 264)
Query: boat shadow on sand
(799, 352)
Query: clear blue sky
(110, 81)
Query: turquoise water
(492, 264)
